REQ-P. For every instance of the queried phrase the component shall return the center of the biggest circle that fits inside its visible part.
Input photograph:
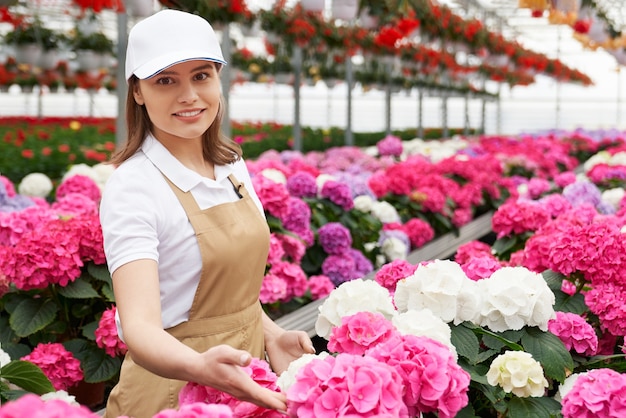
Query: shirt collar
(184, 178)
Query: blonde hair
(216, 147)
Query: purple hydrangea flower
(302, 184)
(334, 238)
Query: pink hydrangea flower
(471, 249)
(346, 386)
(599, 393)
(258, 370)
(320, 286)
(575, 332)
(79, 184)
(389, 274)
(390, 146)
(273, 196)
(197, 410)
(8, 185)
(31, 405)
(479, 268)
(606, 300)
(106, 334)
(276, 252)
(58, 364)
(74, 204)
(433, 381)
(293, 247)
(273, 289)
(293, 275)
(360, 332)
(517, 217)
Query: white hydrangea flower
(394, 249)
(613, 196)
(602, 157)
(424, 323)
(519, 373)
(385, 212)
(80, 169)
(4, 357)
(276, 176)
(364, 203)
(567, 385)
(619, 158)
(435, 286)
(350, 298)
(60, 395)
(102, 172)
(323, 178)
(513, 297)
(288, 377)
(35, 185)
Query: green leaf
(465, 342)
(78, 289)
(533, 407)
(107, 292)
(99, 366)
(566, 303)
(549, 350)
(32, 315)
(27, 376)
(99, 272)
(553, 279)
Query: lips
(189, 113)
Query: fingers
(306, 343)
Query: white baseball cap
(169, 37)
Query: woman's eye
(201, 76)
(164, 80)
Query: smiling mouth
(189, 114)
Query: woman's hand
(287, 347)
(222, 368)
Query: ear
(138, 96)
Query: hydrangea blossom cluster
(334, 238)
(433, 381)
(79, 184)
(197, 410)
(574, 332)
(106, 334)
(58, 364)
(346, 385)
(31, 405)
(606, 300)
(350, 298)
(599, 393)
(258, 370)
(390, 145)
(360, 332)
(519, 373)
(517, 217)
(10, 201)
(35, 185)
(391, 273)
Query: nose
(188, 93)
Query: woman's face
(182, 101)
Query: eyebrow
(199, 68)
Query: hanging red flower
(100, 5)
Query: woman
(185, 236)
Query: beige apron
(234, 243)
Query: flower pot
(28, 54)
(49, 59)
(367, 20)
(140, 8)
(89, 394)
(313, 5)
(345, 9)
(89, 60)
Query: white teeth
(188, 114)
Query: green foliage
(64, 314)
(26, 376)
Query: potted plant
(31, 41)
(92, 50)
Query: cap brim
(160, 63)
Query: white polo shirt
(142, 219)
